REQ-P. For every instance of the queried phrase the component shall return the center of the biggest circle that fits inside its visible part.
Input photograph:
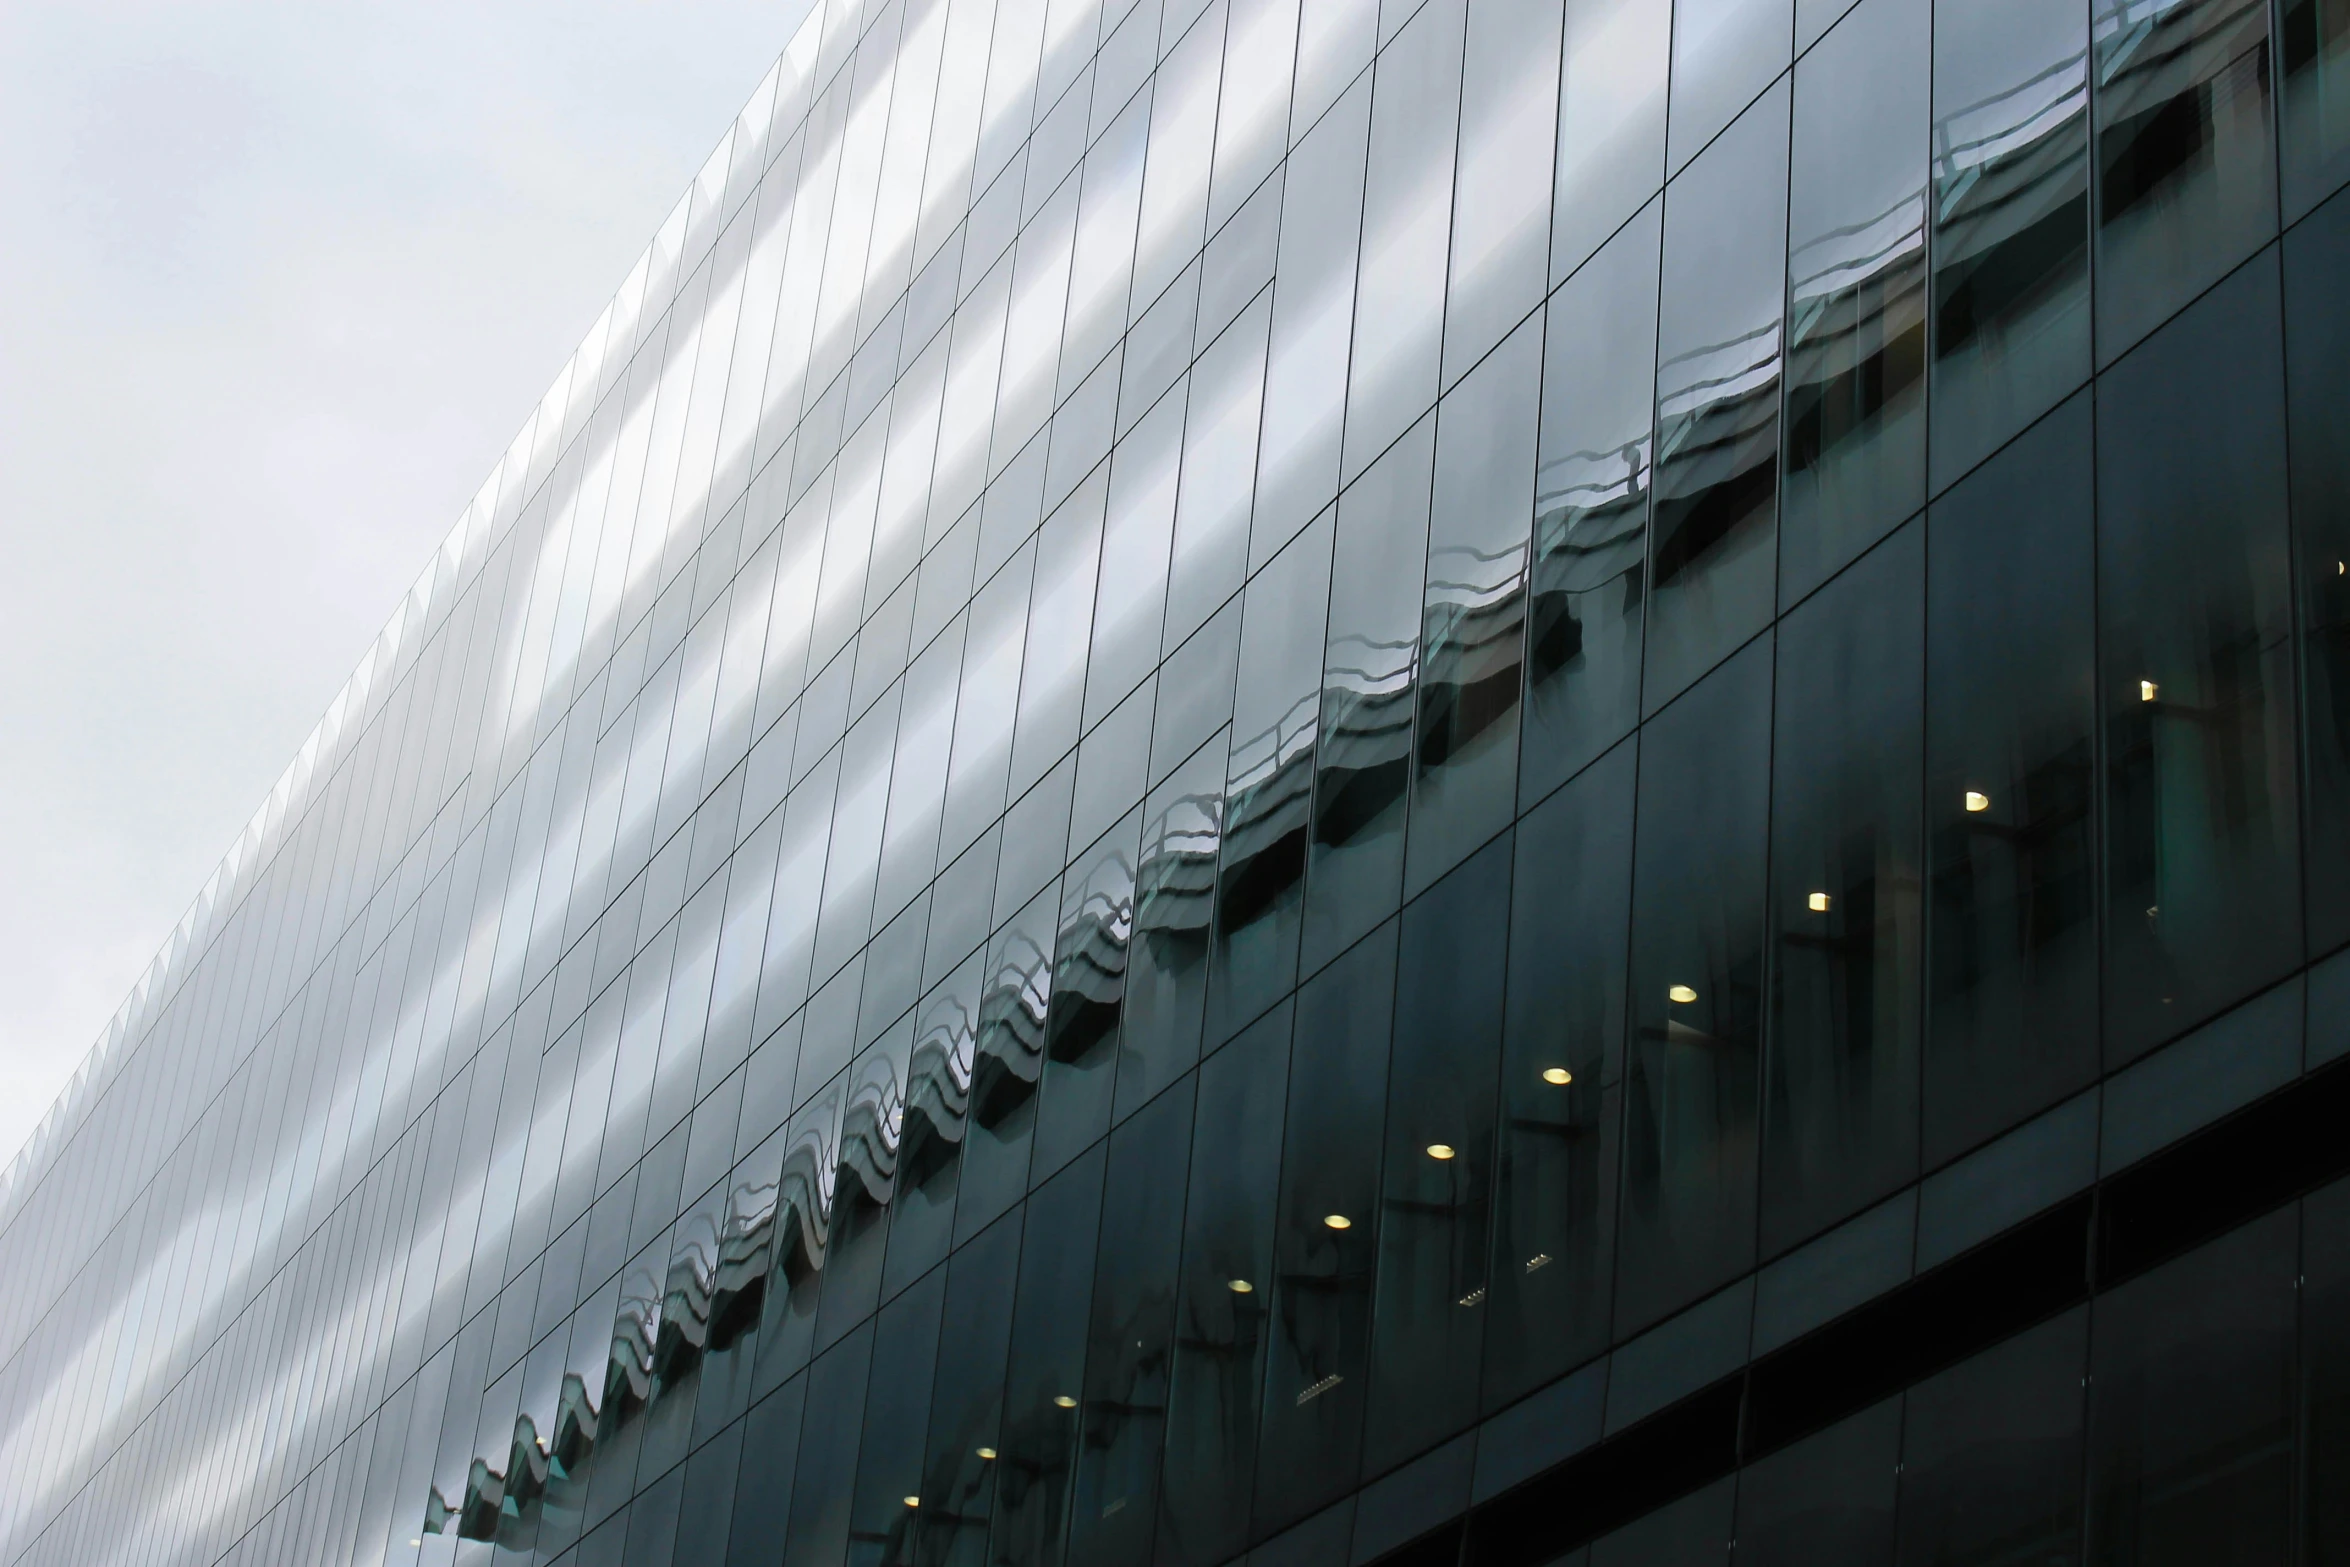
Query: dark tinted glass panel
(864, 1180)
(822, 1490)
(572, 1446)
(1717, 411)
(2325, 1374)
(1174, 904)
(1591, 509)
(2191, 1406)
(959, 1474)
(2011, 221)
(2315, 131)
(1991, 1455)
(1847, 930)
(886, 1512)
(2186, 179)
(1089, 994)
(1692, 1532)
(1856, 291)
(1555, 1186)
(1473, 620)
(932, 1123)
(1362, 770)
(1697, 992)
(2010, 787)
(683, 1334)
(1828, 1500)
(2317, 368)
(2195, 625)
(1268, 782)
(652, 1522)
(1326, 1237)
(711, 1479)
(1131, 1338)
(1045, 1380)
(607, 1546)
(1223, 1296)
(1007, 1059)
(1434, 1223)
(795, 1281)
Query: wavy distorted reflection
(1474, 639)
(1050, 990)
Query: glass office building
(1312, 781)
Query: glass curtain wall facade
(1459, 781)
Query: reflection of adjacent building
(977, 1057)
(2010, 177)
(1717, 445)
(1266, 808)
(1366, 740)
(2170, 73)
(1856, 328)
(1472, 633)
(1590, 536)
(1175, 885)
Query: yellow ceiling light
(1557, 1076)
(1240, 1287)
(2147, 690)
(1819, 902)
(1064, 1401)
(1440, 1151)
(1976, 800)
(1681, 995)
(1338, 1221)
(987, 1455)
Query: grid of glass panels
(1205, 737)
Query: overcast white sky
(278, 283)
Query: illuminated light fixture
(1681, 994)
(1064, 1401)
(2342, 568)
(1819, 902)
(1475, 1297)
(1241, 1287)
(913, 1501)
(1338, 1221)
(1540, 1259)
(1976, 800)
(1557, 1076)
(987, 1455)
(2147, 690)
(1440, 1150)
